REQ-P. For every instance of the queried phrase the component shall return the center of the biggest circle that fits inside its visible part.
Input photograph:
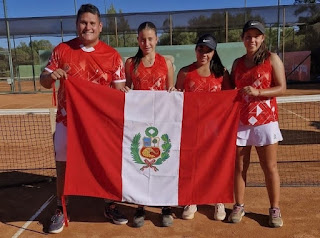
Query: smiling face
(88, 29)
(147, 40)
(204, 54)
(252, 40)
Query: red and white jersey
(150, 78)
(100, 64)
(256, 110)
(196, 83)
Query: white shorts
(267, 134)
(60, 142)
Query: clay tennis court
(299, 205)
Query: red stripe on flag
(95, 132)
(208, 146)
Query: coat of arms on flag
(151, 151)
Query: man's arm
(46, 77)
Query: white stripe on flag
(156, 185)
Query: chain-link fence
(293, 31)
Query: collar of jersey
(85, 49)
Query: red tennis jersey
(150, 78)
(256, 110)
(100, 64)
(194, 82)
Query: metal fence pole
(227, 26)
(278, 36)
(283, 33)
(170, 25)
(33, 71)
(9, 47)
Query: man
(84, 58)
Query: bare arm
(232, 78)
(128, 84)
(279, 77)
(170, 84)
(46, 77)
(180, 78)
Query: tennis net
(26, 146)
(299, 152)
(27, 154)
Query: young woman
(260, 77)
(148, 70)
(207, 74)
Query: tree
(117, 31)
(309, 19)
(305, 1)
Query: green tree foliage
(178, 38)
(117, 31)
(214, 24)
(29, 53)
(23, 54)
(305, 1)
(309, 19)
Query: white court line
(23, 228)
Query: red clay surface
(300, 211)
(299, 206)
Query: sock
(59, 203)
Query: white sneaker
(219, 212)
(189, 211)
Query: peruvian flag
(150, 147)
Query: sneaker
(112, 213)
(219, 212)
(138, 219)
(236, 214)
(189, 211)
(167, 218)
(275, 219)
(57, 222)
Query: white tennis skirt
(261, 135)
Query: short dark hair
(88, 8)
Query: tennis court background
(26, 145)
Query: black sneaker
(57, 222)
(112, 213)
(167, 218)
(138, 219)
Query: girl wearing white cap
(207, 74)
(260, 77)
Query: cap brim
(208, 45)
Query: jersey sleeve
(54, 59)
(119, 73)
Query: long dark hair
(139, 54)
(216, 66)
(261, 54)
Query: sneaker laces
(220, 207)
(275, 212)
(56, 215)
(237, 208)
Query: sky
(42, 8)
